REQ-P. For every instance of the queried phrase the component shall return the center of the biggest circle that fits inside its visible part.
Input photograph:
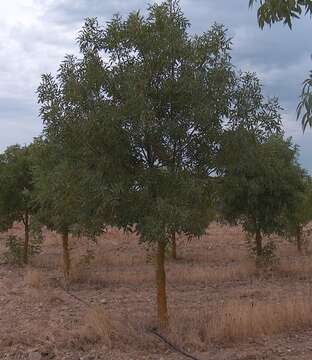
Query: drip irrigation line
(153, 331)
(173, 347)
(86, 303)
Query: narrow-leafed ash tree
(144, 107)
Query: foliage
(147, 119)
(16, 191)
(36, 236)
(304, 108)
(251, 111)
(303, 213)
(58, 189)
(268, 256)
(272, 11)
(299, 215)
(15, 186)
(149, 114)
(54, 187)
(15, 249)
(261, 182)
(14, 252)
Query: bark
(26, 239)
(162, 310)
(66, 256)
(174, 246)
(258, 243)
(299, 238)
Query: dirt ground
(108, 310)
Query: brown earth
(221, 306)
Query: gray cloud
(73, 12)
(36, 36)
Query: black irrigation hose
(153, 331)
(77, 298)
(173, 347)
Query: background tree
(261, 182)
(272, 11)
(16, 191)
(57, 191)
(251, 111)
(299, 215)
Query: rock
(35, 355)
(103, 301)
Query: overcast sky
(36, 34)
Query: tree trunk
(299, 238)
(26, 240)
(258, 243)
(174, 246)
(66, 256)
(162, 310)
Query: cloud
(73, 12)
(36, 34)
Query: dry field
(221, 306)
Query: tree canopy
(16, 191)
(262, 182)
(145, 119)
(300, 214)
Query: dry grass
(233, 321)
(101, 326)
(33, 278)
(47, 261)
(240, 321)
(300, 266)
(114, 330)
(237, 321)
(98, 276)
(119, 256)
(179, 274)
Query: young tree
(150, 116)
(58, 190)
(16, 191)
(273, 11)
(142, 115)
(262, 180)
(299, 215)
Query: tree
(16, 191)
(272, 11)
(262, 180)
(251, 111)
(53, 185)
(150, 115)
(299, 215)
(143, 117)
(58, 189)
